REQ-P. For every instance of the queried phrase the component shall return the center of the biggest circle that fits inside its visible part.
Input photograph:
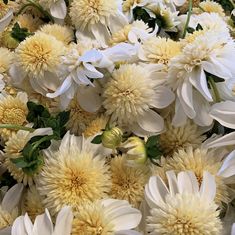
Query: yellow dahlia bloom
(73, 175)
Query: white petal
(184, 183)
(179, 2)
(226, 140)
(208, 187)
(17, 75)
(127, 232)
(228, 167)
(224, 113)
(12, 197)
(6, 231)
(198, 80)
(58, 9)
(151, 122)
(233, 227)
(172, 181)
(5, 21)
(41, 131)
(91, 71)
(91, 56)
(180, 117)
(163, 97)
(18, 227)
(43, 224)
(64, 222)
(28, 224)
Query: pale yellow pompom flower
(61, 33)
(39, 54)
(128, 181)
(29, 22)
(6, 59)
(210, 6)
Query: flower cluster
(117, 117)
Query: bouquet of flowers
(117, 117)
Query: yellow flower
(6, 59)
(128, 182)
(61, 33)
(210, 6)
(29, 22)
(13, 110)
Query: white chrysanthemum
(210, 6)
(57, 8)
(131, 93)
(76, 71)
(43, 224)
(73, 175)
(182, 208)
(198, 161)
(6, 59)
(106, 217)
(210, 52)
(9, 207)
(98, 17)
(159, 50)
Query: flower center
(14, 116)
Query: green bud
(112, 138)
(136, 151)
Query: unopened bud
(8, 41)
(136, 151)
(112, 138)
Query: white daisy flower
(182, 207)
(9, 207)
(108, 216)
(43, 224)
(97, 18)
(212, 53)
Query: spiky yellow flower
(5, 59)
(95, 126)
(12, 150)
(13, 110)
(85, 13)
(79, 119)
(210, 6)
(4, 8)
(198, 161)
(128, 182)
(29, 22)
(121, 35)
(184, 214)
(33, 203)
(160, 50)
(72, 176)
(184, 136)
(91, 220)
(39, 54)
(61, 33)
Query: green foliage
(153, 150)
(31, 158)
(97, 140)
(7, 180)
(226, 4)
(19, 33)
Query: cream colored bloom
(61, 33)
(13, 111)
(6, 60)
(98, 17)
(128, 182)
(73, 175)
(184, 207)
(29, 22)
(131, 93)
(210, 6)
(198, 161)
(106, 217)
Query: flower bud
(8, 41)
(112, 138)
(136, 151)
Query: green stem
(233, 4)
(17, 127)
(190, 6)
(31, 3)
(213, 86)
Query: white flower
(57, 8)
(131, 93)
(9, 207)
(5, 20)
(212, 53)
(43, 224)
(76, 70)
(108, 216)
(182, 207)
(233, 227)
(98, 18)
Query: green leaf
(190, 30)
(97, 140)
(152, 141)
(20, 162)
(63, 118)
(19, 33)
(152, 148)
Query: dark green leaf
(19, 33)
(190, 30)
(20, 162)
(63, 118)
(97, 140)
(199, 27)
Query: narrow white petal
(208, 187)
(5, 21)
(58, 9)
(18, 227)
(228, 167)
